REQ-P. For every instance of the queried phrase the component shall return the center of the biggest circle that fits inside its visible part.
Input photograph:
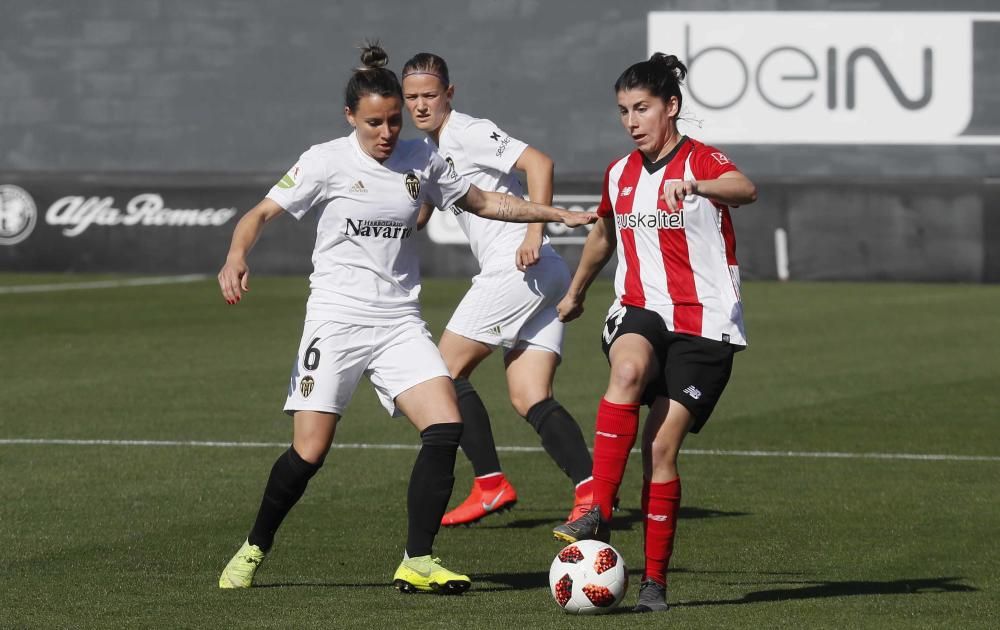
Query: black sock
(431, 483)
(289, 477)
(561, 438)
(477, 438)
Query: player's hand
(576, 219)
(528, 252)
(569, 308)
(674, 191)
(234, 280)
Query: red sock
(617, 425)
(662, 505)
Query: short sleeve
(488, 146)
(605, 207)
(303, 186)
(709, 162)
(444, 185)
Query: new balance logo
(693, 392)
(625, 191)
(358, 187)
(659, 518)
(495, 331)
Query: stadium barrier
(821, 229)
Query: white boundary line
(507, 449)
(101, 284)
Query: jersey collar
(364, 154)
(652, 167)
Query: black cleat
(652, 598)
(590, 526)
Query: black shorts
(692, 370)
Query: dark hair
(372, 77)
(661, 75)
(427, 63)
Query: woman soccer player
(363, 314)
(512, 300)
(677, 318)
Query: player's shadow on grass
(324, 585)
(510, 581)
(624, 519)
(816, 590)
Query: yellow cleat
(240, 570)
(425, 573)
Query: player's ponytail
(661, 75)
(372, 77)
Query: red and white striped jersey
(681, 265)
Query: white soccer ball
(588, 578)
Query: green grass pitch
(118, 536)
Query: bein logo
(822, 78)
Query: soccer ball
(588, 578)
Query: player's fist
(676, 190)
(234, 280)
(570, 307)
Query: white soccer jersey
(365, 261)
(681, 265)
(485, 155)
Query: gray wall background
(235, 90)
(246, 85)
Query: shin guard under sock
(477, 436)
(288, 480)
(614, 437)
(660, 515)
(561, 438)
(431, 483)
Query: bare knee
(522, 404)
(628, 376)
(312, 435)
(663, 451)
(523, 399)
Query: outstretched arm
(600, 245)
(732, 188)
(235, 274)
(504, 207)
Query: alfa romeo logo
(18, 214)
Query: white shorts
(333, 356)
(513, 309)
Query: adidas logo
(358, 187)
(693, 392)
(495, 331)
(626, 191)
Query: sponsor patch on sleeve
(291, 178)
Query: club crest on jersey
(452, 171)
(306, 386)
(412, 185)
